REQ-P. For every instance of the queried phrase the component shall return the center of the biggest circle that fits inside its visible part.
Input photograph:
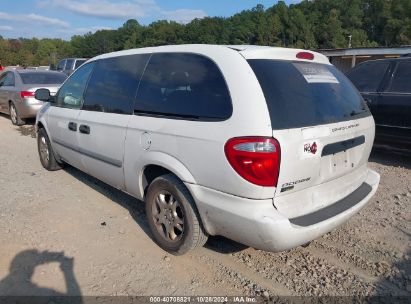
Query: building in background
(345, 59)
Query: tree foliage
(309, 24)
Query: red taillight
(25, 94)
(305, 55)
(256, 159)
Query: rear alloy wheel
(46, 154)
(172, 216)
(14, 116)
(168, 216)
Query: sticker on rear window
(315, 73)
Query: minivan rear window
(302, 94)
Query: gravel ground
(67, 233)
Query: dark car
(386, 87)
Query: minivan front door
(101, 138)
(62, 117)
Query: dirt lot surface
(67, 233)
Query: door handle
(84, 129)
(72, 126)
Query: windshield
(302, 94)
(42, 78)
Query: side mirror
(43, 95)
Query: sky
(65, 18)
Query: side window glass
(61, 65)
(69, 64)
(183, 86)
(401, 81)
(2, 78)
(9, 80)
(78, 63)
(368, 76)
(113, 84)
(71, 93)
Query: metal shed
(345, 59)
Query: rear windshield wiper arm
(355, 113)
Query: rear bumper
(257, 223)
(28, 108)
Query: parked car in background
(17, 89)
(265, 146)
(386, 87)
(69, 65)
(41, 67)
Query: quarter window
(2, 78)
(402, 78)
(9, 80)
(113, 85)
(71, 93)
(184, 86)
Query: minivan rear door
(324, 127)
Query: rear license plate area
(339, 161)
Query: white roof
(268, 52)
(247, 51)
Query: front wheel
(46, 154)
(173, 216)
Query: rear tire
(173, 216)
(14, 116)
(46, 154)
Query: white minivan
(265, 146)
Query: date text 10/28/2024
(203, 299)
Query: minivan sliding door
(105, 115)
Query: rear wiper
(355, 113)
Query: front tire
(173, 216)
(14, 116)
(46, 154)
